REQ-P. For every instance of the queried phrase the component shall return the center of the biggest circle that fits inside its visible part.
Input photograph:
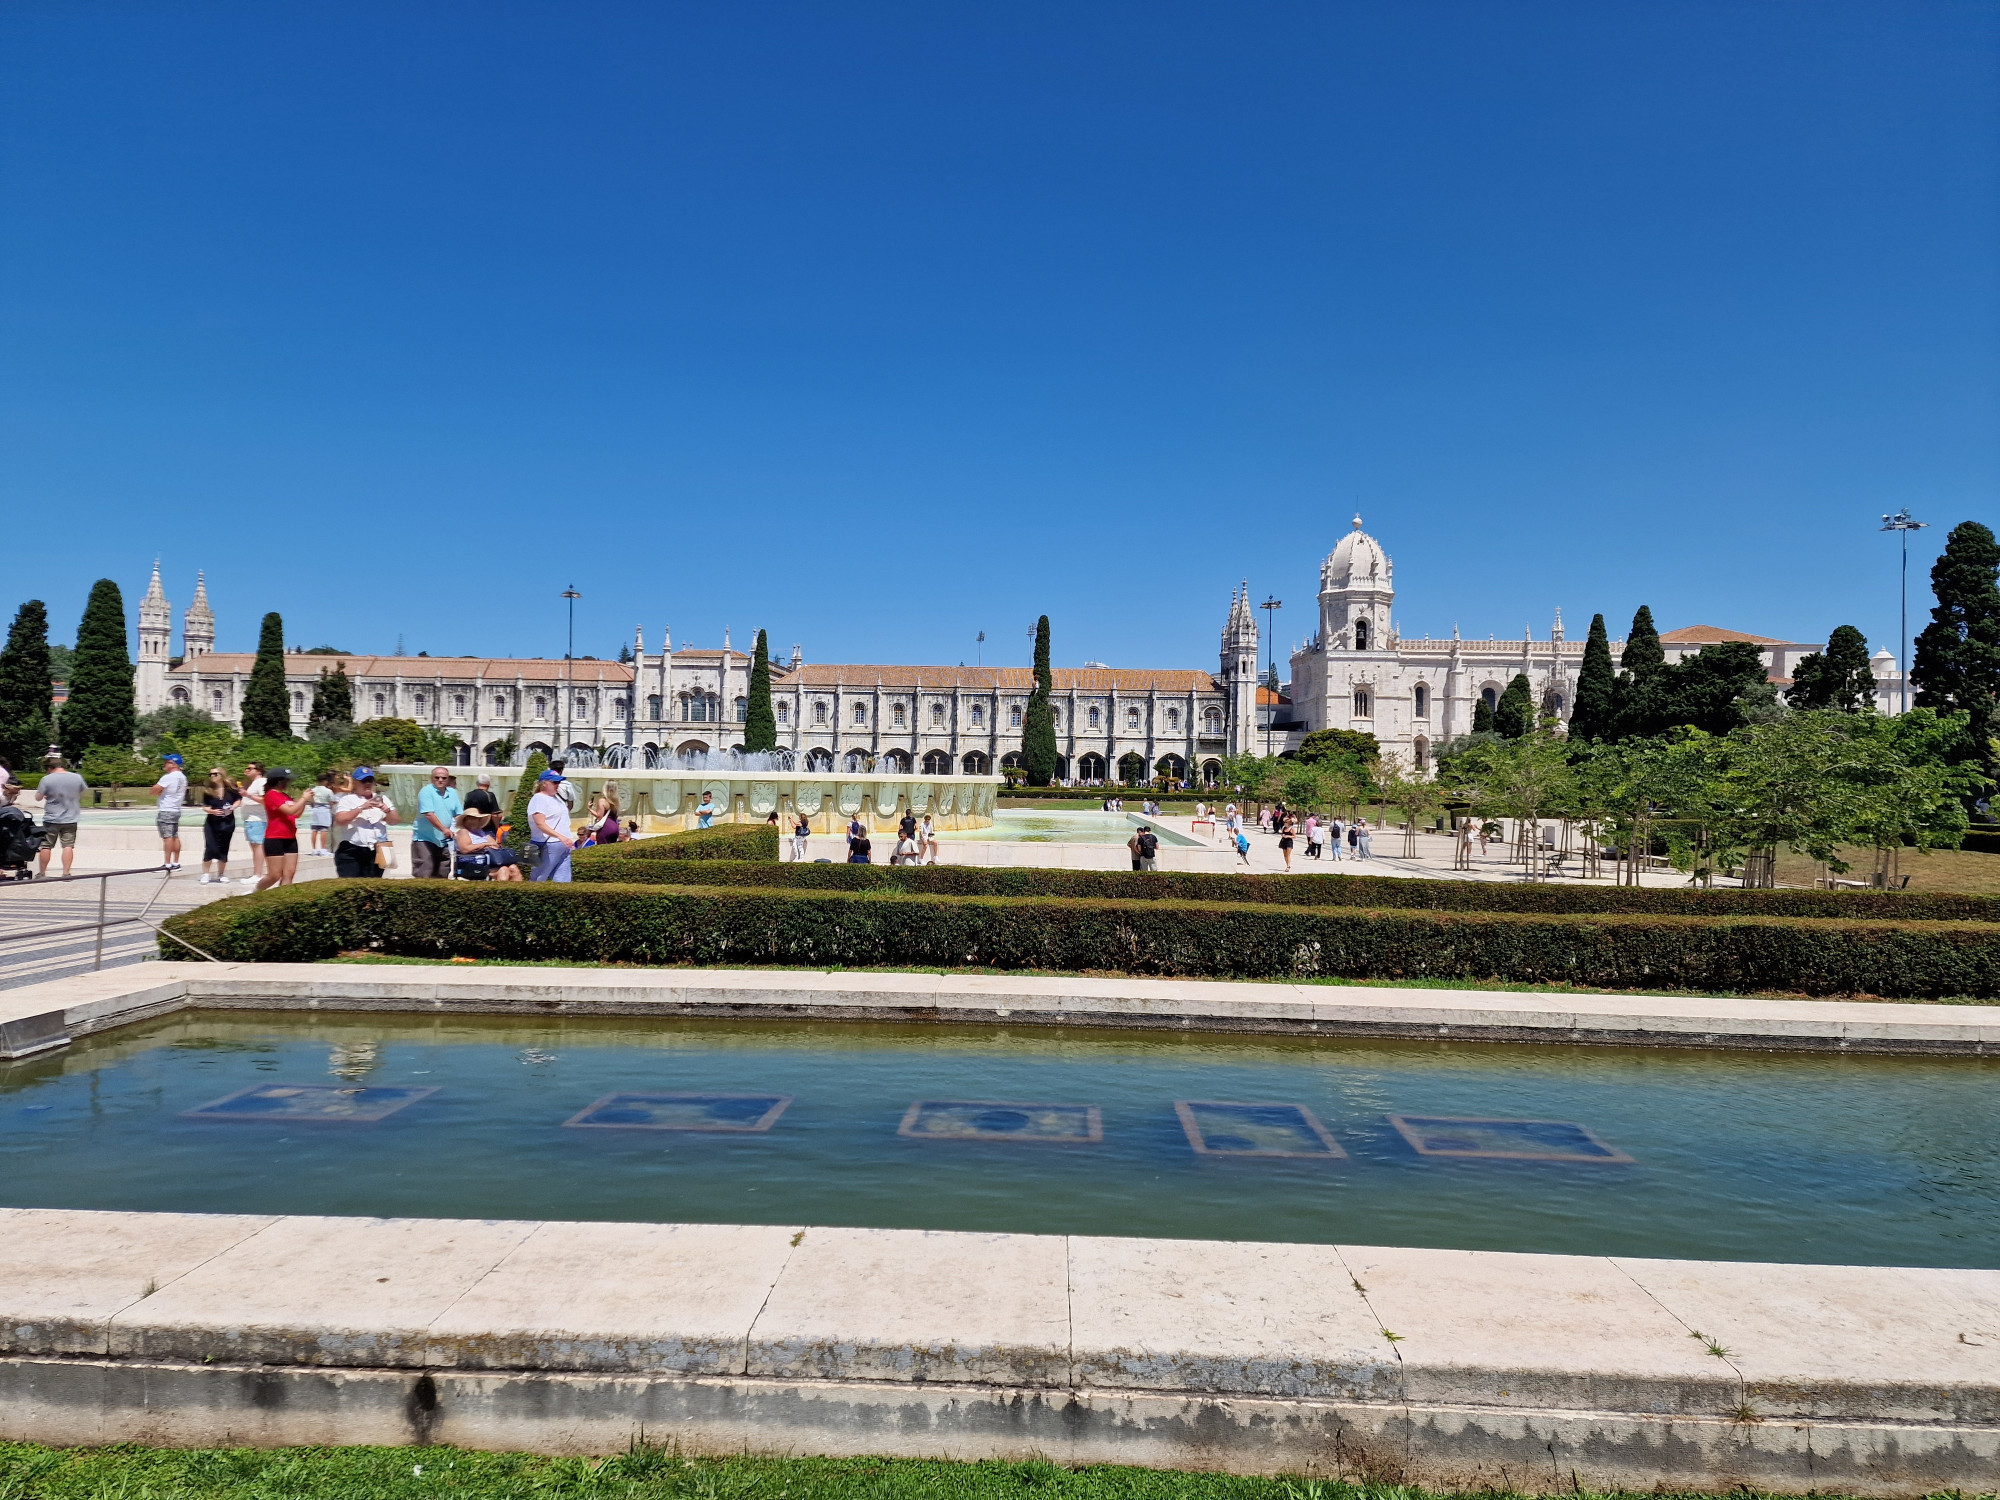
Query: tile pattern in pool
(1889, 1161)
(308, 1104)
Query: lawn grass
(1481, 986)
(1951, 872)
(29, 1471)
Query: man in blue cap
(172, 790)
(549, 829)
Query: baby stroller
(20, 840)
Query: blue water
(1731, 1155)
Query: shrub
(712, 925)
(744, 842)
(1379, 891)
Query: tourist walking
(927, 836)
(361, 829)
(604, 827)
(1243, 846)
(254, 819)
(549, 833)
(479, 850)
(1334, 833)
(219, 796)
(1361, 832)
(62, 813)
(801, 831)
(859, 850)
(1288, 832)
(171, 789)
(432, 841)
(281, 832)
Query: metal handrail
(103, 893)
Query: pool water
(1064, 826)
(1888, 1161)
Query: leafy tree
(1038, 725)
(1482, 716)
(1592, 715)
(25, 698)
(1837, 677)
(1351, 744)
(1957, 664)
(99, 710)
(1528, 779)
(760, 723)
(333, 698)
(1703, 691)
(266, 708)
(116, 765)
(175, 719)
(517, 811)
(334, 651)
(1403, 786)
(1514, 717)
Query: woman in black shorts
(1287, 831)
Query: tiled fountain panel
(309, 1103)
(1218, 1129)
(1511, 1140)
(990, 1120)
(741, 1113)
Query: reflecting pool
(1477, 1146)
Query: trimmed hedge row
(734, 841)
(718, 925)
(1385, 891)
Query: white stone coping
(1354, 1323)
(44, 1014)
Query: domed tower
(1239, 670)
(1355, 594)
(198, 624)
(156, 628)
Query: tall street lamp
(1903, 524)
(1272, 603)
(569, 657)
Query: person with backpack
(1148, 843)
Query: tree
(1514, 717)
(1705, 690)
(175, 719)
(1643, 663)
(1038, 725)
(625, 659)
(266, 707)
(1271, 677)
(1527, 779)
(1837, 677)
(1957, 666)
(1350, 744)
(760, 723)
(1402, 785)
(1482, 716)
(333, 698)
(517, 810)
(25, 698)
(1592, 715)
(99, 710)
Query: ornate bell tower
(156, 628)
(1239, 671)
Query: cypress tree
(760, 724)
(1644, 655)
(333, 698)
(266, 711)
(1635, 697)
(1038, 727)
(1482, 716)
(518, 827)
(1590, 717)
(24, 688)
(1837, 677)
(1514, 717)
(99, 710)
(1958, 654)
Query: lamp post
(979, 651)
(1270, 606)
(569, 657)
(1903, 524)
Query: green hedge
(1294, 890)
(717, 924)
(732, 841)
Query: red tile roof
(1017, 679)
(1715, 635)
(419, 668)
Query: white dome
(1358, 562)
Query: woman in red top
(281, 838)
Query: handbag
(385, 855)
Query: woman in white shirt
(254, 820)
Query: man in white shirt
(171, 789)
(549, 830)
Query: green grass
(31, 1472)
(1481, 986)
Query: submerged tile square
(1219, 1129)
(736, 1113)
(309, 1103)
(991, 1120)
(1509, 1140)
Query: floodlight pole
(1272, 603)
(1903, 524)
(569, 658)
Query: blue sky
(882, 324)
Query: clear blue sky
(882, 324)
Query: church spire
(198, 624)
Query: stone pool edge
(41, 1016)
(1455, 1369)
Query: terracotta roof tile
(1715, 635)
(1015, 679)
(419, 668)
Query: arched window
(457, 704)
(652, 705)
(784, 713)
(937, 716)
(1211, 721)
(216, 698)
(857, 760)
(1360, 635)
(896, 762)
(900, 715)
(500, 706)
(181, 696)
(496, 753)
(937, 763)
(1090, 767)
(1556, 703)
(420, 703)
(1173, 721)
(381, 704)
(582, 706)
(976, 764)
(742, 710)
(1492, 697)
(860, 713)
(1095, 718)
(1421, 697)
(819, 759)
(1055, 716)
(618, 708)
(1211, 772)
(541, 707)
(1363, 708)
(1132, 717)
(978, 721)
(1131, 768)
(1011, 761)
(1013, 717)
(1420, 753)
(819, 711)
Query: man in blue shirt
(438, 807)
